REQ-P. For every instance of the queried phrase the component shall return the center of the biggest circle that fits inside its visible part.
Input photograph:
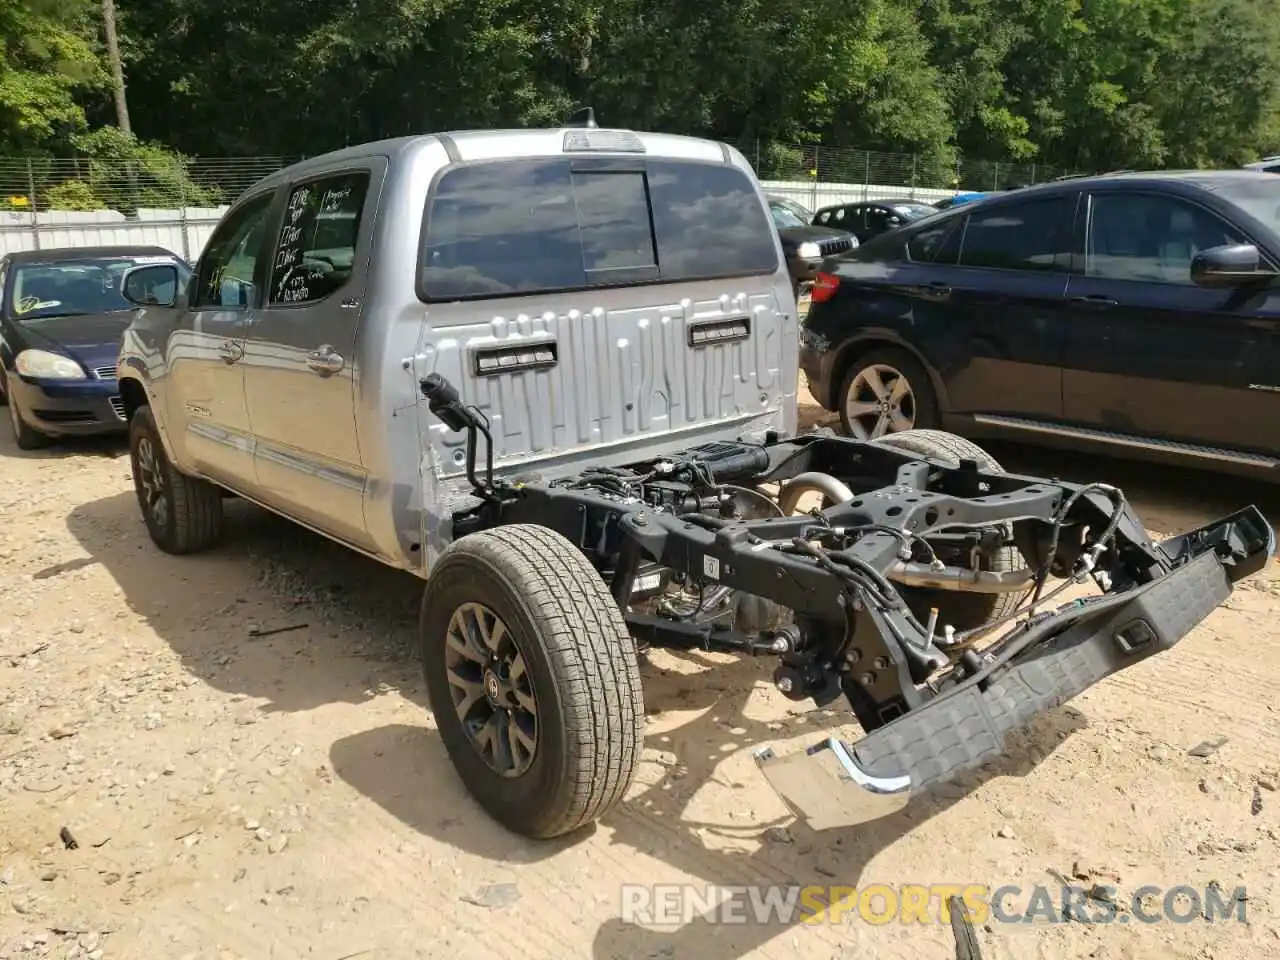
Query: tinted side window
(1148, 237)
(317, 244)
(232, 258)
(928, 245)
(878, 219)
(613, 218)
(502, 228)
(849, 218)
(1035, 235)
(505, 228)
(709, 222)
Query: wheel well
(854, 351)
(133, 394)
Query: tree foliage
(1084, 84)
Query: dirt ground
(286, 795)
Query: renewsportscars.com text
(879, 904)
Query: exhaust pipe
(823, 483)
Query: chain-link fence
(48, 202)
(817, 175)
(175, 203)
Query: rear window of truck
(519, 227)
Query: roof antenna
(582, 117)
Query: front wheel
(533, 679)
(884, 392)
(183, 514)
(24, 435)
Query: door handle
(934, 289)
(325, 361)
(230, 351)
(1097, 301)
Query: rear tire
(883, 392)
(183, 514)
(964, 611)
(554, 676)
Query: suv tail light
(824, 287)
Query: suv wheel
(884, 392)
(533, 679)
(183, 514)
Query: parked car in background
(798, 209)
(870, 218)
(1137, 313)
(1265, 165)
(806, 246)
(946, 203)
(61, 318)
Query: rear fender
(874, 338)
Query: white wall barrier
(815, 194)
(183, 231)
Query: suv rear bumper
(838, 783)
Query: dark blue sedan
(61, 319)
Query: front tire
(533, 679)
(183, 514)
(964, 611)
(886, 391)
(24, 435)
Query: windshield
(913, 211)
(71, 288)
(1259, 198)
(785, 217)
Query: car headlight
(47, 366)
(809, 251)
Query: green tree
(48, 62)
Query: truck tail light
(824, 287)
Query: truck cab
(593, 292)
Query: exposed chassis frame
(853, 632)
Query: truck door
(300, 354)
(205, 351)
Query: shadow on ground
(347, 623)
(110, 445)
(654, 820)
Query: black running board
(1128, 441)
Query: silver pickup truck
(554, 373)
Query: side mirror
(1228, 266)
(152, 285)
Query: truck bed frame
(846, 596)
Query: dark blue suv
(1138, 312)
